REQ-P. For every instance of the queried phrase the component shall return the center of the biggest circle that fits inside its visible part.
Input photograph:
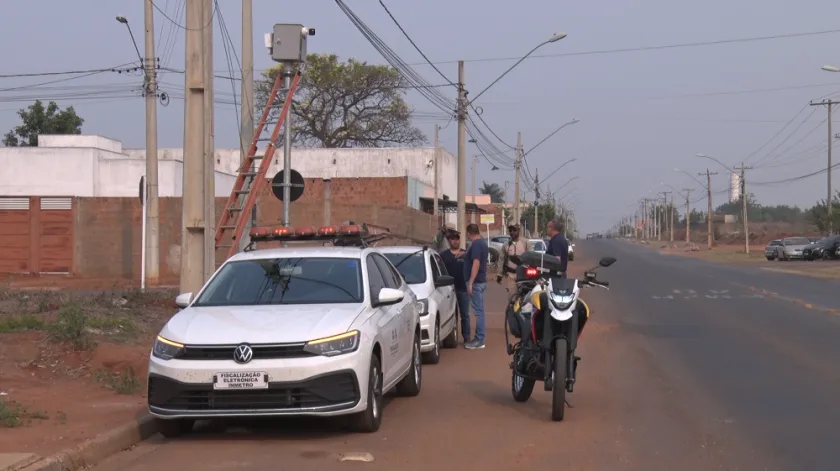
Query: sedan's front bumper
(323, 386)
(793, 255)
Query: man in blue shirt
(475, 272)
(558, 245)
(453, 259)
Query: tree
(39, 120)
(547, 212)
(497, 194)
(346, 104)
(818, 214)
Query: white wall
(70, 166)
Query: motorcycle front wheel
(558, 389)
(520, 386)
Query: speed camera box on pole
(289, 43)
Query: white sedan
(426, 275)
(321, 331)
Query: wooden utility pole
(517, 171)
(744, 198)
(246, 133)
(193, 214)
(435, 164)
(645, 218)
(670, 218)
(687, 215)
(828, 209)
(710, 236)
(536, 203)
(151, 180)
(209, 143)
(462, 151)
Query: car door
(446, 295)
(402, 329)
(386, 322)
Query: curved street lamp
(553, 39)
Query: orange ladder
(248, 183)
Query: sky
(643, 110)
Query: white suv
(320, 331)
(426, 275)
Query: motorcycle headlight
(423, 307)
(166, 349)
(335, 345)
(562, 302)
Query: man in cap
(515, 246)
(453, 260)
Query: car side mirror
(183, 299)
(444, 280)
(607, 261)
(388, 296)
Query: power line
(209, 23)
(64, 72)
(653, 48)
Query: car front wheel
(410, 385)
(369, 420)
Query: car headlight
(562, 302)
(166, 349)
(335, 345)
(423, 307)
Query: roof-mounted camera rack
(346, 235)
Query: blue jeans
(463, 300)
(477, 304)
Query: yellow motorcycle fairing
(585, 306)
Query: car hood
(813, 246)
(422, 291)
(259, 324)
(795, 247)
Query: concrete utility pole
(462, 151)
(744, 200)
(288, 71)
(193, 213)
(536, 203)
(670, 216)
(828, 210)
(687, 215)
(437, 177)
(517, 171)
(209, 144)
(474, 190)
(710, 236)
(153, 209)
(247, 93)
(646, 229)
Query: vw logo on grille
(243, 354)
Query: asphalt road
(686, 365)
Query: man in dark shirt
(453, 259)
(558, 245)
(475, 272)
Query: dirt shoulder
(73, 363)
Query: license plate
(241, 380)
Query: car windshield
(797, 241)
(285, 281)
(774, 243)
(411, 265)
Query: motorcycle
(546, 316)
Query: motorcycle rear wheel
(520, 387)
(558, 390)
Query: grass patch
(70, 327)
(23, 323)
(123, 382)
(13, 414)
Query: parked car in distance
(426, 275)
(314, 331)
(770, 249)
(791, 248)
(822, 249)
(536, 245)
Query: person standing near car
(557, 244)
(475, 272)
(453, 260)
(515, 246)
